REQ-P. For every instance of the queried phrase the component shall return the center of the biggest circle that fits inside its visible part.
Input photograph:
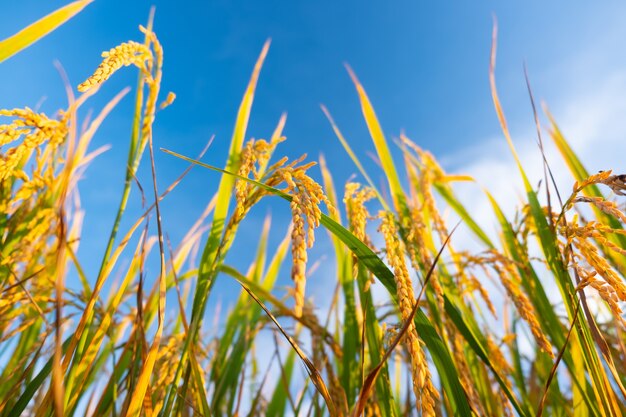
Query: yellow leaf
(39, 29)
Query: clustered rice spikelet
(617, 183)
(470, 283)
(125, 54)
(467, 280)
(598, 178)
(417, 249)
(465, 375)
(587, 239)
(423, 215)
(298, 254)
(423, 387)
(504, 369)
(169, 356)
(241, 187)
(354, 199)
(306, 194)
(602, 276)
(508, 275)
(497, 358)
(306, 214)
(510, 279)
(253, 159)
(430, 172)
(28, 199)
(605, 291)
(35, 129)
(609, 207)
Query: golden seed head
(593, 179)
(242, 188)
(609, 207)
(128, 53)
(307, 195)
(617, 183)
(355, 198)
(509, 277)
(35, 129)
(423, 387)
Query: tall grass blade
(354, 158)
(31, 34)
(382, 149)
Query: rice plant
(459, 332)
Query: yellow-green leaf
(32, 33)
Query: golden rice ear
(423, 387)
(609, 207)
(307, 195)
(355, 198)
(246, 161)
(123, 55)
(598, 178)
(299, 255)
(509, 277)
(617, 183)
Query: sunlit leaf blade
(31, 34)
(313, 372)
(278, 401)
(372, 332)
(108, 260)
(239, 333)
(382, 149)
(355, 159)
(350, 372)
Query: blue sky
(423, 64)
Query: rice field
(460, 333)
